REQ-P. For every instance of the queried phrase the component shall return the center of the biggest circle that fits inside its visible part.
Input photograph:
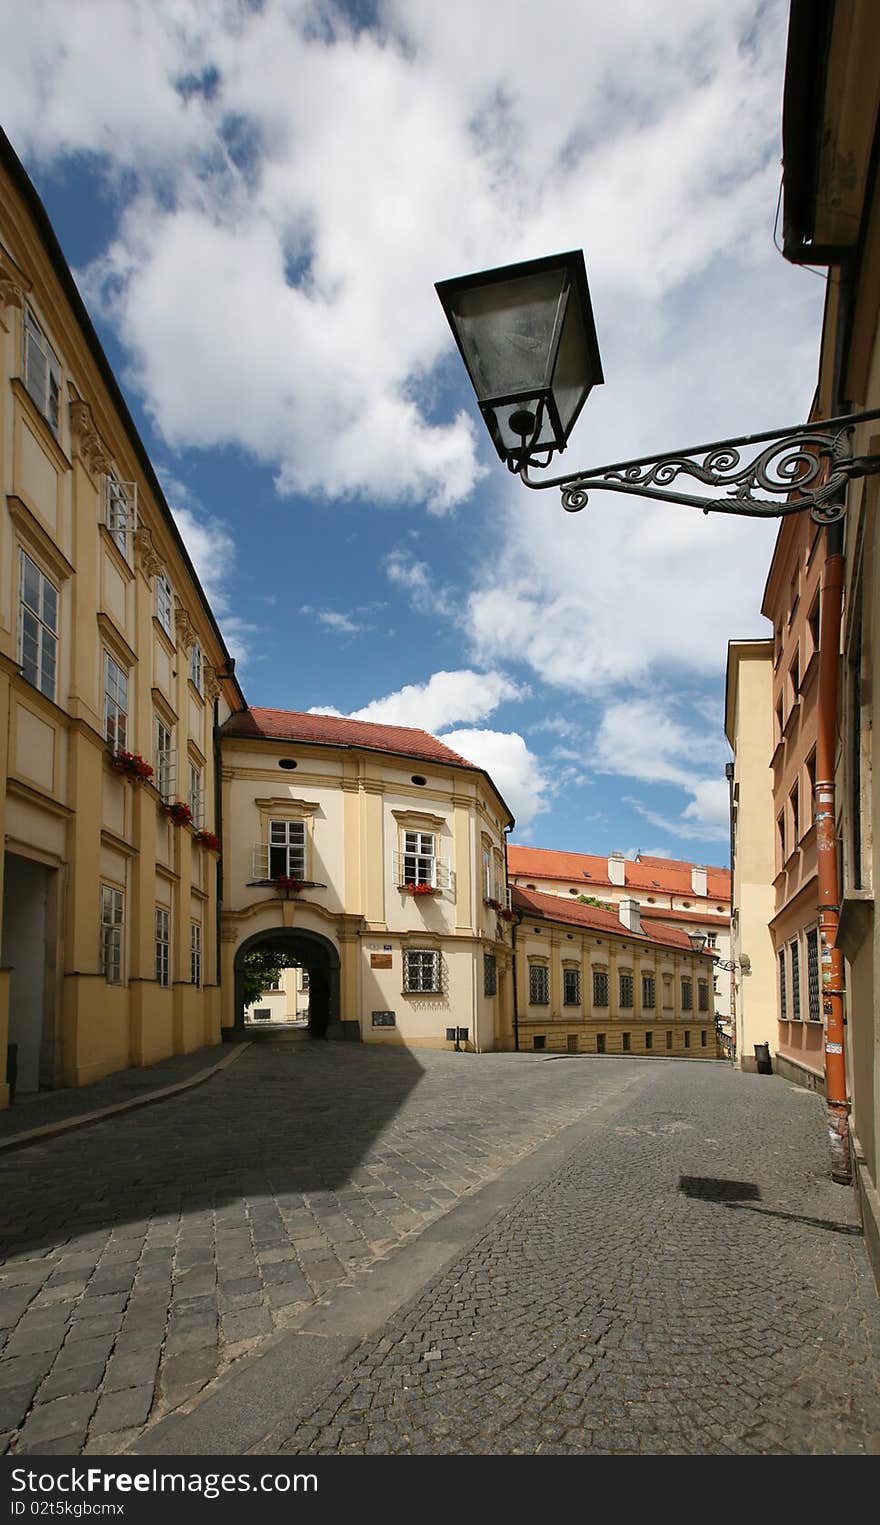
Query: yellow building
(593, 981)
(112, 669)
(373, 855)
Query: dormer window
(42, 371)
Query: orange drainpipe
(831, 957)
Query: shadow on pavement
(284, 1119)
(740, 1195)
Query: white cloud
(212, 552)
(643, 739)
(445, 699)
(512, 767)
(340, 624)
(419, 582)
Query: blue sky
(257, 199)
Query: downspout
(831, 957)
(513, 926)
(218, 827)
(729, 771)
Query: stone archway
(316, 954)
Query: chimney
(699, 880)
(617, 868)
(628, 911)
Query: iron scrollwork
(805, 467)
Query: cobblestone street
(659, 1287)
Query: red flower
(418, 889)
(288, 882)
(209, 839)
(133, 765)
(179, 812)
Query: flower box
(132, 765)
(418, 889)
(208, 839)
(492, 903)
(288, 884)
(179, 812)
(507, 915)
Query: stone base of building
(869, 1207)
(798, 1074)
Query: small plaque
(380, 960)
(383, 1019)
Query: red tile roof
(670, 876)
(339, 731)
(573, 913)
(657, 913)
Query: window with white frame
(115, 703)
(571, 987)
(196, 794)
(539, 985)
(38, 619)
(711, 939)
(42, 372)
(287, 849)
(488, 880)
(165, 780)
(165, 604)
(163, 946)
(195, 952)
(196, 666)
(112, 923)
(815, 1004)
(421, 970)
(119, 511)
(419, 858)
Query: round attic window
(417, 779)
(287, 762)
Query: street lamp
(528, 340)
(698, 942)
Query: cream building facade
(605, 982)
(374, 855)
(112, 670)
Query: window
(687, 1040)
(702, 995)
(165, 780)
(795, 980)
(112, 921)
(711, 940)
(196, 666)
(165, 604)
(421, 970)
(115, 703)
(783, 991)
(38, 611)
(490, 974)
(119, 510)
(795, 816)
(702, 1037)
(419, 859)
(626, 1043)
(794, 681)
(687, 995)
(196, 795)
(539, 1041)
(649, 1040)
(649, 991)
(625, 984)
(163, 946)
(669, 1040)
(571, 987)
(815, 1007)
(195, 953)
(42, 372)
(780, 834)
(571, 1043)
(600, 1043)
(600, 988)
(539, 985)
(488, 883)
(814, 620)
(811, 781)
(779, 721)
(287, 849)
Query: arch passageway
(318, 956)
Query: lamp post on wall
(527, 336)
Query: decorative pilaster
(86, 441)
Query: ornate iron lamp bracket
(805, 466)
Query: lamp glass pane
(506, 331)
(573, 376)
(511, 442)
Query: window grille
(571, 987)
(795, 980)
(815, 1005)
(703, 995)
(783, 992)
(600, 988)
(539, 985)
(687, 995)
(421, 971)
(649, 991)
(625, 982)
(490, 974)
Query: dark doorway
(320, 960)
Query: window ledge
(856, 921)
(777, 752)
(810, 673)
(791, 717)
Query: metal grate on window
(539, 985)
(815, 1011)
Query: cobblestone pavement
(688, 1282)
(147, 1252)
